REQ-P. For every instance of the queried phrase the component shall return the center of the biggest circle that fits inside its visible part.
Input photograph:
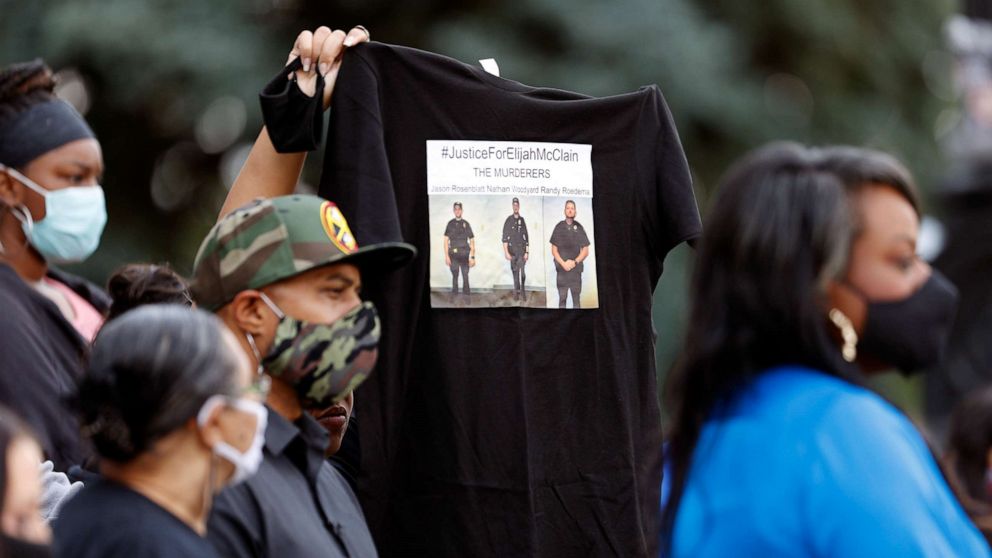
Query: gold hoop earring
(850, 349)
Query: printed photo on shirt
(478, 244)
(568, 242)
(493, 207)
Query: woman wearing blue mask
(51, 212)
(54, 210)
(173, 407)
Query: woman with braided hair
(50, 164)
(51, 212)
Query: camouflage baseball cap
(269, 240)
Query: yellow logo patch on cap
(336, 227)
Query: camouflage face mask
(324, 362)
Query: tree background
(171, 88)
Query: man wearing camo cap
(284, 275)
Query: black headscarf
(40, 129)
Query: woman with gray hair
(173, 408)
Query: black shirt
(108, 520)
(570, 239)
(41, 358)
(458, 232)
(506, 431)
(297, 504)
(515, 234)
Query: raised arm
(267, 173)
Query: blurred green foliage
(735, 74)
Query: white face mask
(245, 464)
(73, 223)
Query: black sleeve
(556, 235)
(471, 235)
(16, 355)
(235, 524)
(294, 120)
(506, 228)
(584, 240)
(447, 230)
(523, 223)
(671, 214)
(356, 173)
(43, 397)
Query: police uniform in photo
(569, 239)
(459, 233)
(515, 237)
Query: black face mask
(911, 334)
(21, 548)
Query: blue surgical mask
(73, 223)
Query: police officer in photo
(569, 247)
(515, 247)
(459, 249)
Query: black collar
(279, 433)
(88, 291)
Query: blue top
(805, 464)
(110, 520)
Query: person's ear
(250, 313)
(210, 430)
(11, 191)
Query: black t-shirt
(41, 359)
(570, 239)
(506, 431)
(108, 520)
(458, 232)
